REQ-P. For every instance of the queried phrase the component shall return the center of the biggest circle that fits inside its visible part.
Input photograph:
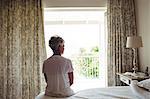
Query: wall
(143, 25)
(74, 3)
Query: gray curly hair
(55, 42)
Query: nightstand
(129, 76)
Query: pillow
(144, 84)
(139, 92)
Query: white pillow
(139, 92)
(144, 84)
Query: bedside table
(129, 76)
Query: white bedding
(141, 93)
(119, 92)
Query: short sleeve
(69, 66)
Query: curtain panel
(121, 23)
(22, 48)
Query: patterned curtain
(22, 48)
(121, 23)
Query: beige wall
(74, 3)
(143, 25)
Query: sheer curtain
(121, 23)
(22, 48)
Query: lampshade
(134, 42)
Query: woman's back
(56, 68)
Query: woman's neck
(57, 53)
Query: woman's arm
(45, 77)
(71, 78)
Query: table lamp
(134, 42)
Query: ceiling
(74, 3)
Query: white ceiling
(74, 3)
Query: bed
(136, 90)
(119, 92)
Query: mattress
(118, 92)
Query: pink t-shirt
(56, 69)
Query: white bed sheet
(118, 92)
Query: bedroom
(142, 29)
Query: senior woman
(58, 70)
